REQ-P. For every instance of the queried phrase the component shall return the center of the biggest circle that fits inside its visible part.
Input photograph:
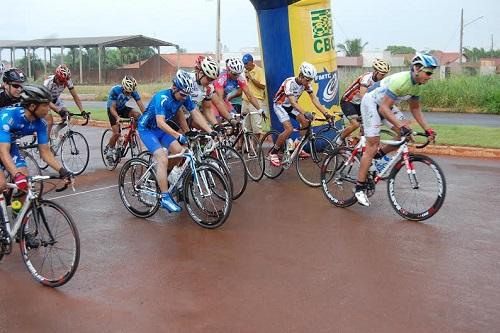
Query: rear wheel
(251, 153)
(233, 161)
(266, 144)
(50, 244)
(309, 169)
(139, 190)
(106, 136)
(419, 194)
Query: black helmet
(34, 93)
(14, 75)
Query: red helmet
(62, 73)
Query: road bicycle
(240, 137)
(127, 142)
(308, 169)
(416, 185)
(47, 236)
(71, 145)
(203, 188)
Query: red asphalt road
(285, 261)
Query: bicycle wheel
(222, 168)
(266, 144)
(233, 161)
(418, 195)
(50, 244)
(104, 149)
(75, 152)
(207, 196)
(139, 190)
(338, 177)
(33, 169)
(309, 169)
(254, 160)
(146, 156)
(135, 146)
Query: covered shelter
(101, 43)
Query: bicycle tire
(33, 169)
(266, 144)
(309, 169)
(135, 146)
(75, 152)
(209, 216)
(106, 135)
(234, 163)
(222, 168)
(46, 237)
(145, 190)
(338, 180)
(251, 153)
(146, 156)
(437, 189)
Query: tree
(352, 47)
(400, 49)
(36, 64)
(475, 54)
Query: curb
(458, 151)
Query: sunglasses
(183, 94)
(15, 85)
(429, 73)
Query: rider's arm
(6, 159)
(251, 97)
(113, 111)
(200, 120)
(233, 94)
(295, 104)
(362, 91)
(385, 111)
(220, 105)
(140, 104)
(317, 104)
(76, 98)
(162, 124)
(207, 111)
(48, 156)
(416, 111)
(54, 107)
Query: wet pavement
(285, 261)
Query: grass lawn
(474, 136)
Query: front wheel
(138, 188)
(50, 244)
(75, 152)
(418, 194)
(266, 144)
(251, 153)
(309, 168)
(106, 136)
(234, 163)
(207, 196)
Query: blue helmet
(425, 60)
(184, 82)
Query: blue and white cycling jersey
(164, 104)
(14, 125)
(117, 95)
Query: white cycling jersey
(200, 92)
(290, 87)
(56, 89)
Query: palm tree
(352, 47)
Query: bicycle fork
(410, 169)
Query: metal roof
(110, 41)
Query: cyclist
(56, 84)
(156, 133)
(286, 106)
(27, 119)
(117, 107)
(377, 105)
(13, 80)
(232, 79)
(206, 70)
(351, 100)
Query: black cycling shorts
(123, 113)
(350, 110)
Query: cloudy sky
(429, 24)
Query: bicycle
(72, 145)
(250, 147)
(203, 188)
(125, 143)
(47, 236)
(308, 169)
(340, 170)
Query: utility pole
(491, 48)
(217, 35)
(461, 35)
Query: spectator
(257, 85)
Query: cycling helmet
(425, 60)
(129, 84)
(381, 66)
(307, 70)
(235, 66)
(34, 93)
(63, 73)
(183, 82)
(209, 67)
(14, 75)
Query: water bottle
(174, 175)
(290, 146)
(16, 206)
(381, 163)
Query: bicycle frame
(126, 147)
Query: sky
(423, 24)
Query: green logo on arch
(322, 30)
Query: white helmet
(235, 65)
(210, 68)
(381, 66)
(129, 84)
(307, 70)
